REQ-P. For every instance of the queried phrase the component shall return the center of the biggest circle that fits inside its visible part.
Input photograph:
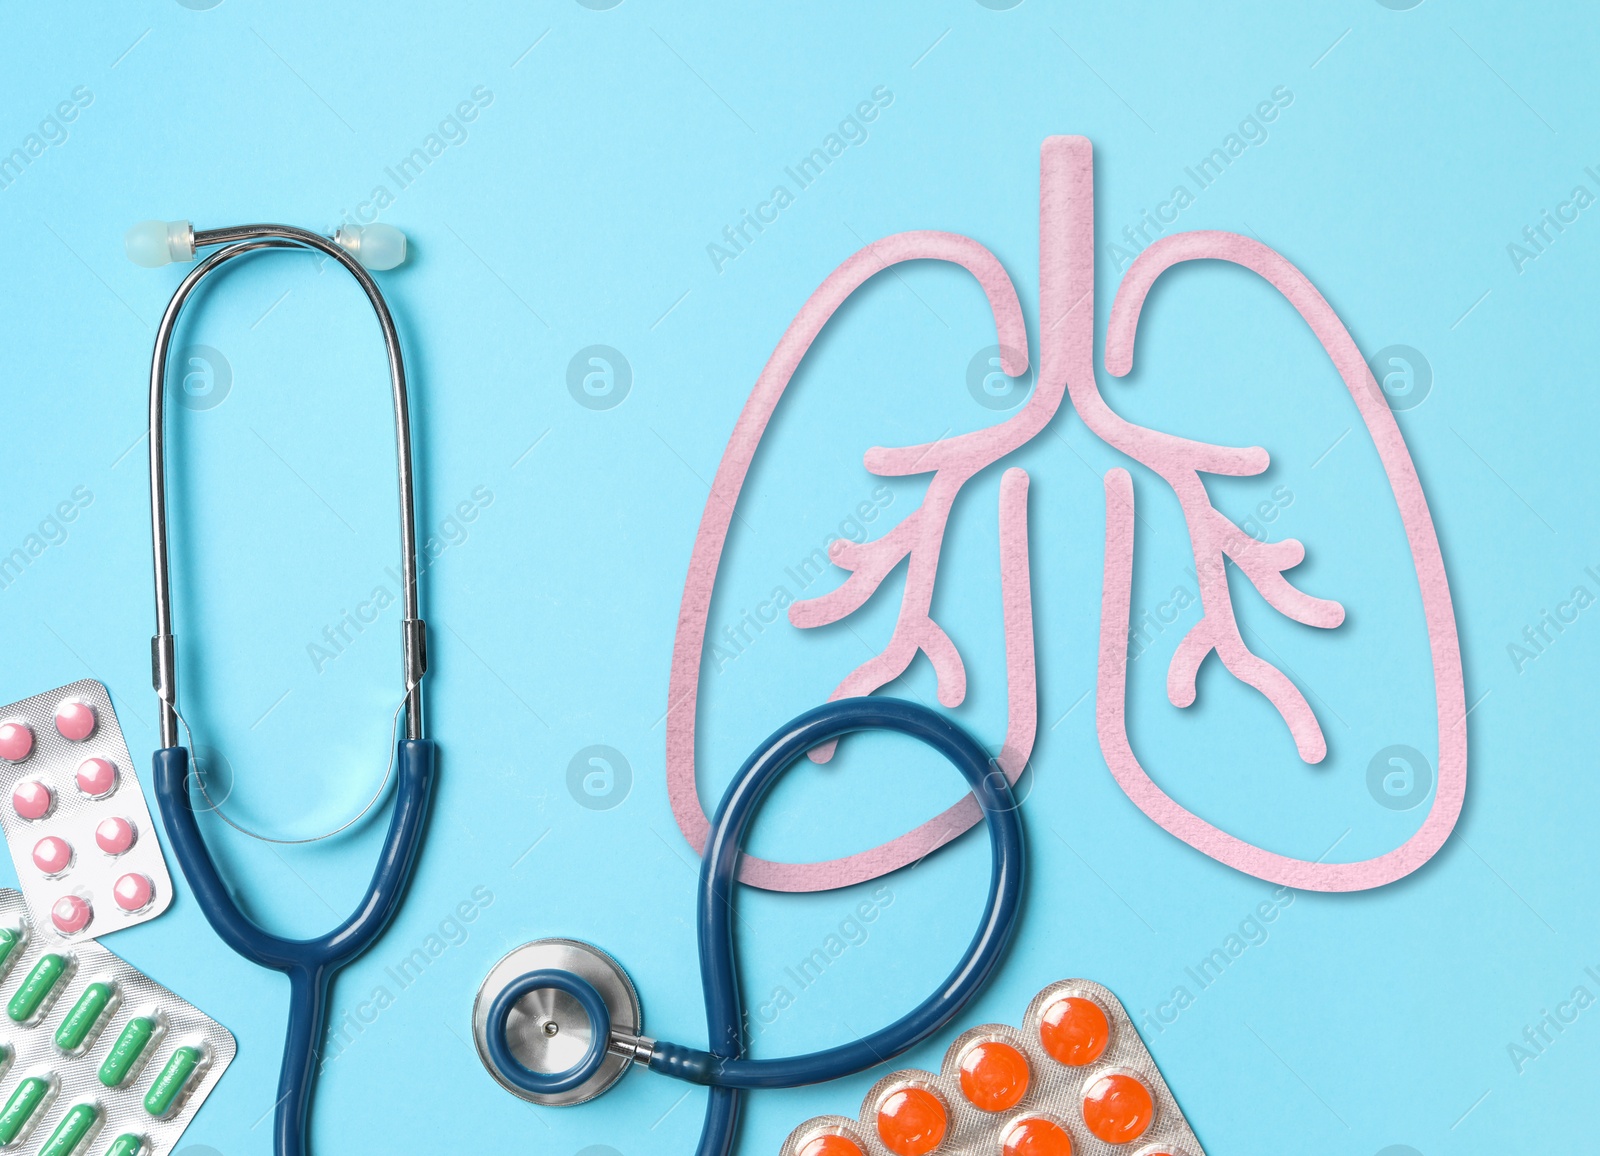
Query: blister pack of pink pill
(76, 821)
(1074, 1080)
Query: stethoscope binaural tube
(310, 964)
(238, 242)
(723, 1066)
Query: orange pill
(1118, 1108)
(1075, 1031)
(830, 1144)
(994, 1076)
(1036, 1136)
(912, 1121)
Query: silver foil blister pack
(97, 1057)
(1075, 1078)
(75, 817)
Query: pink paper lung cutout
(952, 463)
(1180, 462)
(1066, 235)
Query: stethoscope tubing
(718, 878)
(724, 1065)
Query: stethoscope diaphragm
(546, 1030)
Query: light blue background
(577, 210)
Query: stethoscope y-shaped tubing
(312, 963)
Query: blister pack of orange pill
(1074, 1080)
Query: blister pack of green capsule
(95, 1056)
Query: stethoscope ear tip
(153, 244)
(376, 246)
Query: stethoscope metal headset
(310, 964)
(557, 1021)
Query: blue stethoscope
(557, 1021)
(310, 964)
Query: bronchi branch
(919, 538)
(1215, 538)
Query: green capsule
(24, 1102)
(173, 1079)
(39, 987)
(10, 941)
(85, 1016)
(125, 1053)
(73, 1130)
(126, 1144)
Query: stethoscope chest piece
(536, 1029)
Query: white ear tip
(153, 244)
(376, 246)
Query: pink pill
(52, 855)
(133, 892)
(97, 777)
(114, 836)
(32, 799)
(75, 720)
(71, 914)
(16, 741)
